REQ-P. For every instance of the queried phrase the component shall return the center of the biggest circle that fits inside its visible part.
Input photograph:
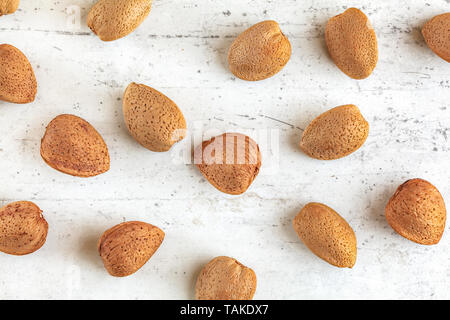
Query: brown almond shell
(417, 212)
(326, 234)
(225, 278)
(154, 120)
(126, 247)
(352, 43)
(230, 162)
(17, 80)
(335, 134)
(8, 6)
(23, 228)
(73, 146)
(437, 35)
(114, 19)
(260, 52)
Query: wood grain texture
(181, 48)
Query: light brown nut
(225, 278)
(126, 247)
(326, 234)
(417, 212)
(114, 19)
(8, 6)
(335, 133)
(71, 145)
(23, 229)
(352, 43)
(153, 119)
(259, 52)
(230, 162)
(17, 81)
(437, 35)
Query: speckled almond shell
(114, 19)
(335, 133)
(259, 52)
(232, 175)
(71, 145)
(126, 247)
(352, 43)
(417, 212)
(17, 81)
(326, 234)
(23, 229)
(8, 6)
(152, 119)
(437, 35)
(225, 278)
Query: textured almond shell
(152, 119)
(23, 229)
(235, 174)
(417, 212)
(126, 247)
(335, 133)
(352, 43)
(8, 6)
(437, 35)
(17, 80)
(225, 278)
(259, 52)
(114, 19)
(71, 145)
(326, 234)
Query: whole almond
(23, 229)
(114, 19)
(230, 162)
(153, 119)
(8, 6)
(352, 43)
(259, 52)
(126, 247)
(437, 35)
(335, 133)
(17, 81)
(417, 212)
(71, 145)
(326, 234)
(225, 278)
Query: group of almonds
(229, 162)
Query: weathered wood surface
(181, 50)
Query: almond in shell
(259, 52)
(23, 228)
(417, 212)
(352, 43)
(126, 247)
(71, 145)
(225, 278)
(326, 234)
(230, 162)
(114, 19)
(335, 133)
(152, 119)
(8, 6)
(437, 35)
(17, 80)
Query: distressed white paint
(181, 50)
